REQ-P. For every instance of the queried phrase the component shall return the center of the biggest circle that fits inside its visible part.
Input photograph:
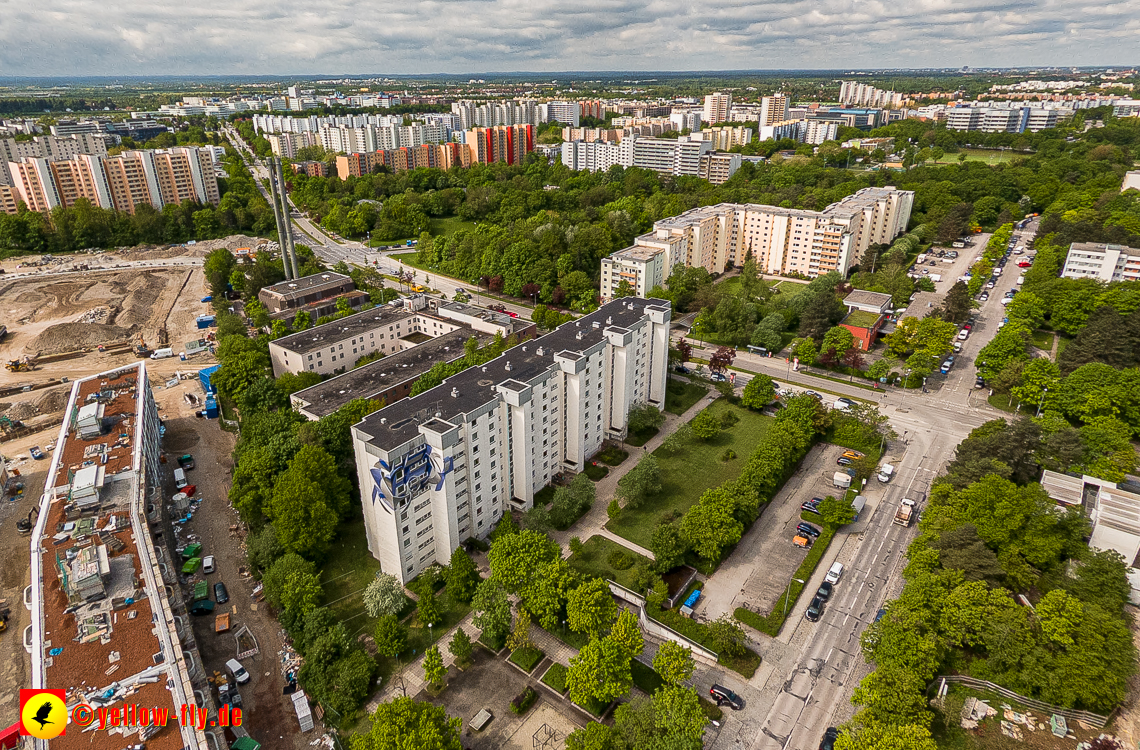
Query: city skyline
(67, 37)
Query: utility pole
(281, 240)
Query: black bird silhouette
(42, 714)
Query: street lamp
(787, 594)
(1042, 402)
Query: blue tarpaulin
(693, 598)
(205, 375)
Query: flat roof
(321, 336)
(306, 284)
(863, 297)
(372, 379)
(399, 422)
(101, 606)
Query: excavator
(21, 365)
(25, 525)
(141, 349)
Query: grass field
(1043, 340)
(593, 560)
(985, 155)
(685, 475)
(680, 396)
(346, 572)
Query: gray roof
(307, 284)
(321, 336)
(871, 299)
(372, 379)
(476, 386)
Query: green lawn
(350, 567)
(1043, 340)
(645, 677)
(681, 395)
(685, 475)
(1002, 401)
(555, 677)
(986, 155)
(789, 289)
(593, 560)
(1062, 343)
(449, 225)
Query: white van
(886, 471)
(180, 478)
(234, 667)
(835, 573)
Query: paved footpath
(595, 520)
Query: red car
(512, 314)
(1024, 264)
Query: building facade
(717, 107)
(444, 466)
(774, 109)
(1093, 260)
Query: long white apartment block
(782, 240)
(667, 156)
(444, 466)
(108, 624)
(1095, 260)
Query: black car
(824, 592)
(845, 400)
(807, 528)
(809, 507)
(220, 594)
(844, 461)
(725, 697)
(979, 382)
(829, 738)
(814, 610)
(814, 395)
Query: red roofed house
(867, 312)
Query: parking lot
(757, 573)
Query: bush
(620, 560)
(555, 677)
(527, 657)
(523, 701)
(612, 455)
(728, 455)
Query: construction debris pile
(975, 712)
(96, 315)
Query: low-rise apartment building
(294, 294)
(1094, 260)
(106, 627)
(444, 466)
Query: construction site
(66, 318)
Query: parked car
(829, 738)
(1023, 264)
(845, 400)
(824, 591)
(835, 573)
(990, 284)
(808, 529)
(844, 461)
(37, 453)
(984, 296)
(814, 610)
(186, 461)
(963, 334)
(208, 564)
(813, 394)
(220, 594)
(852, 454)
(945, 369)
(807, 507)
(725, 697)
(979, 382)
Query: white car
(208, 564)
(963, 334)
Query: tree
(434, 670)
(304, 524)
(600, 671)
(1060, 615)
(805, 351)
(892, 694)
(292, 584)
(836, 512)
(590, 608)
(710, 526)
(640, 483)
(674, 663)
(515, 558)
(403, 723)
(644, 417)
(957, 306)
(520, 636)
(217, 267)
(1008, 345)
(837, 342)
(678, 715)
(624, 289)
(391, 636)
(593, 736)
(384, 595)
(886, 737)
(727, 636)
(759, 392)
(722, 358)
(705, 425)
(492, 610)
(462, 576)
(668, 547)
(627, 633)
(461, 647)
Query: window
(405, 529)
(407, 542)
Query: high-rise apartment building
(109, 624)
(503, 143)
(48, 147)
(774, 109)
(567, 113)
(724, 138)
(122, 182)
(782, 240)
(668, 156)
(717, 107)
(444, 466)
(1095, 260)
(861, 94)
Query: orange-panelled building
(504, 143)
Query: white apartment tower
(444, 466)
(717, 107)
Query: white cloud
(133, 37)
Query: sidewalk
(594, 521)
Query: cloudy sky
(149, 37)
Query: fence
(621, 592)
(1087, 717)
(662, 632)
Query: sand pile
(138, 292)
(52, 400)
(67, 337)
(21, 410)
